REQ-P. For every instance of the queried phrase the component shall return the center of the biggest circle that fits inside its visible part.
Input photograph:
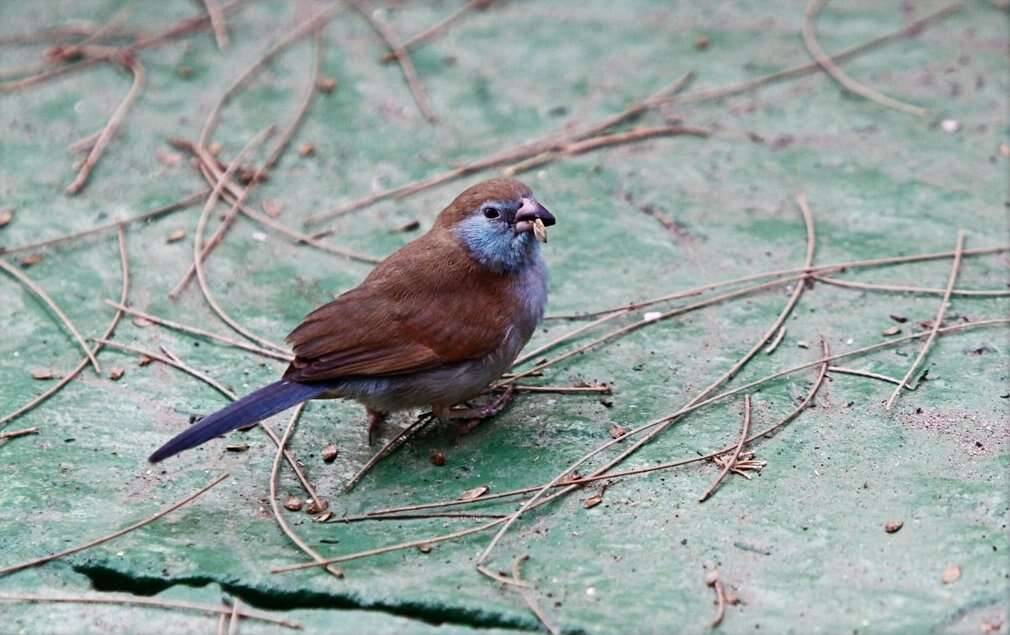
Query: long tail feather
(254, 407)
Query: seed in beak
(539, 230)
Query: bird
(432, 325)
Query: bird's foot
(472, 416)
(375, 419)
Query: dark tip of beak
(532, 210)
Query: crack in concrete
(105, 578)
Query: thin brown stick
(343, 520)
(81, 365)
(265, 352)
(868, 286)
(728, 375)
(115, 121)
(275, 506)
(865, 373)
(13, 434)
(217, 23)
(436, 29)
(720, 600)
(233, 618)
(116, 598)
(115, 534)
(198, 244)
(222, 624)
(161, 211)
(776, 341)
(306, 102)
(530, 599)
(387, 449)
(385, 32)
(955, 267)
(566, 337)
(840, 76)
(910, 29)
(39, 292)
(852, 264)
(749, 386)
(602, 389)
(594, 143)
(111, 26)
(744, 431)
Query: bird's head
(495, 222)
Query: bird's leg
(473, 416)
(375, 419)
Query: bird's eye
(491, 212)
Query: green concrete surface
(802, 545)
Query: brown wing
(424, 306)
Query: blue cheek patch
(494, 244)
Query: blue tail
(256, 406)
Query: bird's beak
(530, 211)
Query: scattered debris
(950, 125)
(184, 72)
(236, 447)
(900, 319)
(803, 344)
(176, 236)
(142, 323)
(317, 506)
(306, 150)
(168, 159)
(326, 85)
(293, 503)
(890, 331)
(6, 216)
(474, 493)
(425, 548)
(43, 374)
(744, 463)
(116, 374)
(273, 207)
(701, 42)
(409, 226)
(617, 431)
(595, 499)
(712, 580)
(437, 458)
(31, 260)
(951, 574)
(330, 453)
(323, 517)
(144, 360)
(893, 526)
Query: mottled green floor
(802, 545)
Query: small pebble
(116, 374)
(293, 503)
(893, 526)
(145, 360)
(425, 548)
(330, 453)
(701, 42)
(6, 217)
(894, 330)
(306, 150)
(326, 85)
(318, 508)
(32, 260)
(176, 236)
(617, 431)
(476, 492)
(652, 315)
(951, 574)
(437, 458)
(43, 373)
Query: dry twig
(868, 286)
(940, 312)
(530, 599)
(13, 434)
(119, 599)
(744, 430)
(437, 29)
(840, 76)
(383, 452)
(32, 286)
(217, 23)
(402, 57)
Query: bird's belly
(443, 386)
